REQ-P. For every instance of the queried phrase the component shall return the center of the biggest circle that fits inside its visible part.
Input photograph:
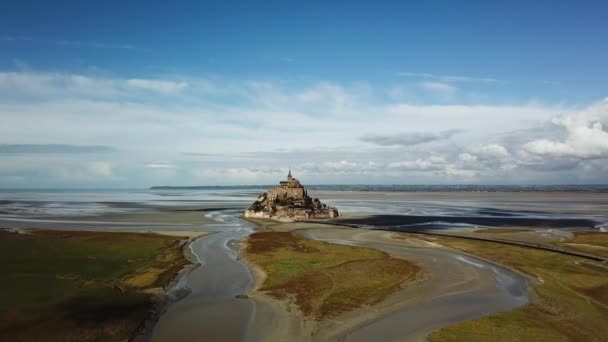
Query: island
(290, 201)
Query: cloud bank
(191, 130)
(52, 148)
(586, 135)
(409, 139)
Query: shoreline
(292, 324)
(164, 300)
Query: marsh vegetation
(81, 286)
(570, 300)
(326, 279)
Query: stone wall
(284, 193)
(257, 214)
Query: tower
(289, 178)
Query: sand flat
(457, 288)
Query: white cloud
(437, 164)
(408, 139)
(494, 151)
(238, 175)
(321, 123)
(165, 87)
(487, 158)
(49, 84)
(439, 88)
(467, 157)
(99, 169)
(448, 78)
(433, 163)
(451, 170)
(160, 166)
(586, 135)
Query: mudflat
(456, 287)
(574, 202)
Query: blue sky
(231, 93)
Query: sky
(225, 93)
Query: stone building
(289, 200)
(287, 190)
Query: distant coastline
(411, 188)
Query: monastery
(289, 200)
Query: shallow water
(426, 210)
(210, 311)
(69, 202)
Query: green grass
(588, 242)
(76, 286)
(326, 279)
(569, 304)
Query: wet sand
(457, 288)
(161, 220)
(212, 311)
(549, 202)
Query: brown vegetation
(81, 286)
(326, 279)
(588, 242)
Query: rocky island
(289, 200)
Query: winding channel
(459, 288)
(211, 310)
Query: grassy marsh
(326, 279)
(588, 242)
(81, 286)
(570, 301)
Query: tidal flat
(326, 279)
(82, 286)
(570, 296)
(221, 300)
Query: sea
(413, 206)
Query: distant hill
(210, 187)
